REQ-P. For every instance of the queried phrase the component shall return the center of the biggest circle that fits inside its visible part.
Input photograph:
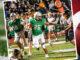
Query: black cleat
(38, 49)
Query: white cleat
(29, 54)
(46, 56)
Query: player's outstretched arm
(53, 23)
(29, 25)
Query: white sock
(49, 41)
(56, 38)
(46, 55)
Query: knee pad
(36, 45)
(16, 40)
(43, 45)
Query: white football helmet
(12, 14)
(37, 14)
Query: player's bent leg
(30, 42)
(56, 35)
(49, 41)
(73, 42)
(43, 45)
(45, 50)
(30, 48)
(17, 41)
(71, 37)
(23, 37)
(36, 41)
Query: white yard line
(3, 38)
(3, 58)
(64, 50)
(60, 50)
(70, 59)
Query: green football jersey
(37, 26)
(12, 33)
(17, 27)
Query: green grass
(59, 46)
(42, 58)
(2, 25)
(3, 48)
(3, 43)
(39, 55)
(36, 57)
(1, 17)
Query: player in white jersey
(51, 27)
(28, 32)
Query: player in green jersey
(37, 24)
(15, 25)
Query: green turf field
(3, 48)
(3, 42)
(2, 25)
(52, 51)
(39, 55)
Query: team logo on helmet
(37, 14)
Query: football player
(68, 29)
(16, 55)
(15, 25)
(37, 24)
(50, 27)
(28, 32)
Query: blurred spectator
(51, 4)
(12, 5)
(43, 6)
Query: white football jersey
(51, 19)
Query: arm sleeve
(30, 21)
(44, 20)
(10, 23)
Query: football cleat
(29, 54)
(38, 49)
(46, 56)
